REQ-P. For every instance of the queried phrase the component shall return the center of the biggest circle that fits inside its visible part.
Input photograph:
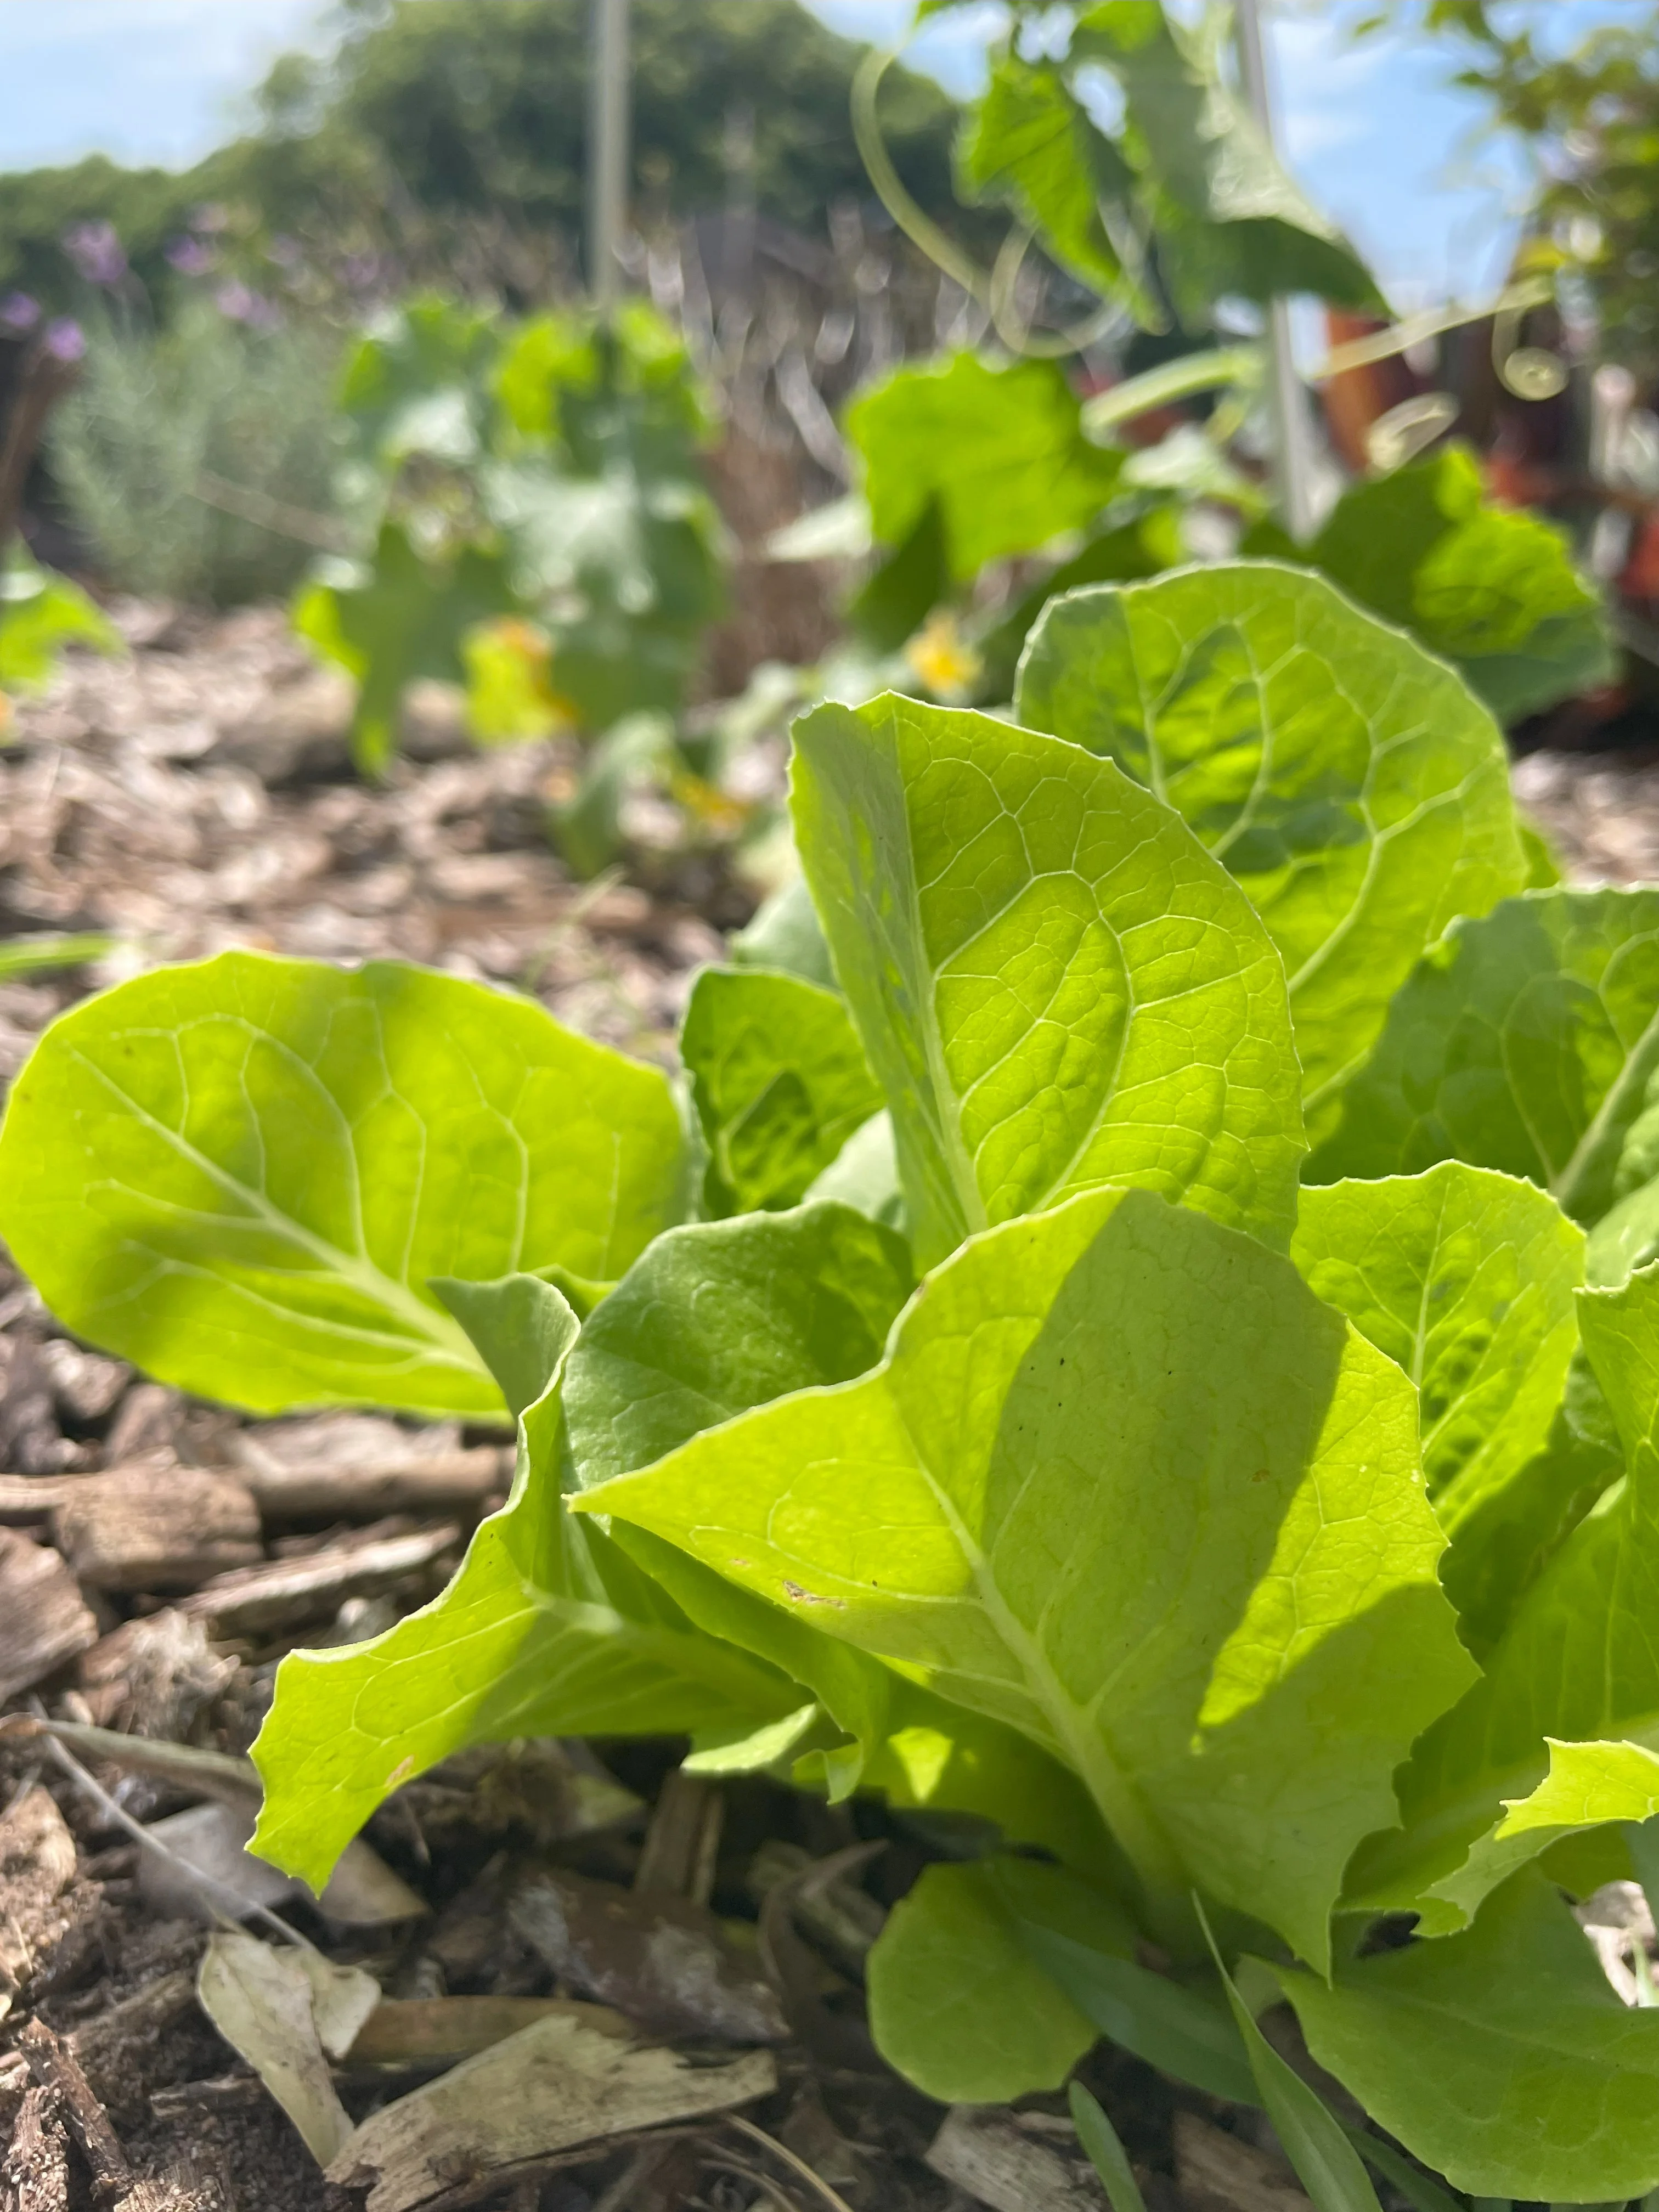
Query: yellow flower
(941, 658)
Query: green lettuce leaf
(242, 1174)
(1349, 782)
(1001, 449)
(1577, 1664)
(1465, 1279)
(1589, 1785)
(956, 2002)
(786, 933)
(1492, 588)
(528, 1640)
(718, 1318)
(1122, 1483)
(40, 613)
(780, 1081)
(1055, 986)
(1524, 1041)
(1502, 2057)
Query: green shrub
(161, 419)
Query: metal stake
(607, 150)
(1293, 460)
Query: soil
(196, 796)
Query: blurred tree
(436, 116)
(1589, 105)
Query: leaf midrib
(448, 1340)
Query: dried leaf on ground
(1219, 2173)
(1001, 2159)
(282, 2011)
(559, 2083)
(670, 1965)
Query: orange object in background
(1357, 397)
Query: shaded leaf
(956, 2003)
(780, 1081)
(544, 1631)
(1054, 986)
(1523, 1041)
(1577, 1662)
(1326, 2162)
(1465, 1279)
(1492, 588)
(1106, 2154)
(1166, 2023)
(1097, 1432)
(1502, 2057)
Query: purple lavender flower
(238, 304)
(96, 252)
(192, 257)
(64, 340)
(18, 315)
(359, 271)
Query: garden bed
(157, 1556)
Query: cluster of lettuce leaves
(1133, 1326)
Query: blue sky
(1377, 134)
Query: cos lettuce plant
(1128, 1331)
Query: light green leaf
(1121, 1482)
(1501, 2057)
(1508, 1536)
(1492, 588)
(400, 616)
(40, 613)
(721, 1317)
(864, 1174)
(1001, 448)
(1326, 2162)
(31, 955)
(1588, 1785)
(787, 933)
(1524, 1041)
(242, 1174)
(1465, 1279)
(1105, 2151)
(955, 2003)
(528, 1640)
(1349, 782)
(1055, 987)
(1030, 143)
(1577, 1663)
(780, 1080)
